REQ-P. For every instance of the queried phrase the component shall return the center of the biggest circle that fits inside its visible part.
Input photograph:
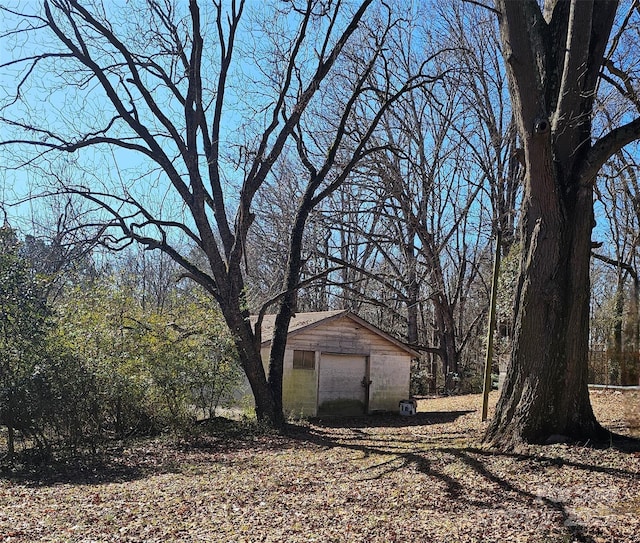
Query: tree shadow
(577, 531)
(544, 461)
(388, 420)
(78, 469)
(619, 442)
(477, 460)
(326, 440)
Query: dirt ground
(375, 479)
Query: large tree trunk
(250, 358)
(545, 391)
(553, 63)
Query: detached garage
(337, 364)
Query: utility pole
(492, 325)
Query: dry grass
(379, 479)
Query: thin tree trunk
(634, 335)
(616, 352)
(11, 440)
(413, 291)
(287, 304)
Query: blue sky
(68, 109)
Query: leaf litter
(375, 479)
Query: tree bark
(287, 305)
(446, 333)
(553, 63)
(251, 362)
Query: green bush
(154, 367)
(102, 363)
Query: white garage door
(340, 384)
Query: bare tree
(411, 231)
(554, 56)
(402, 227)
(163, 82)
(490, 131)
(619, 197)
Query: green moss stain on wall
(299, 393)
(341, 408)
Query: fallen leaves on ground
(377, 479)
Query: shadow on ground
(387, 420)
(80, 469)
(483, 468)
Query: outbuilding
(337, 364)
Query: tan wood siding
(389, 365)
(343, 336)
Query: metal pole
(492, 325)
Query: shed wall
(390, 375)
(389, 365)
(299, 387)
